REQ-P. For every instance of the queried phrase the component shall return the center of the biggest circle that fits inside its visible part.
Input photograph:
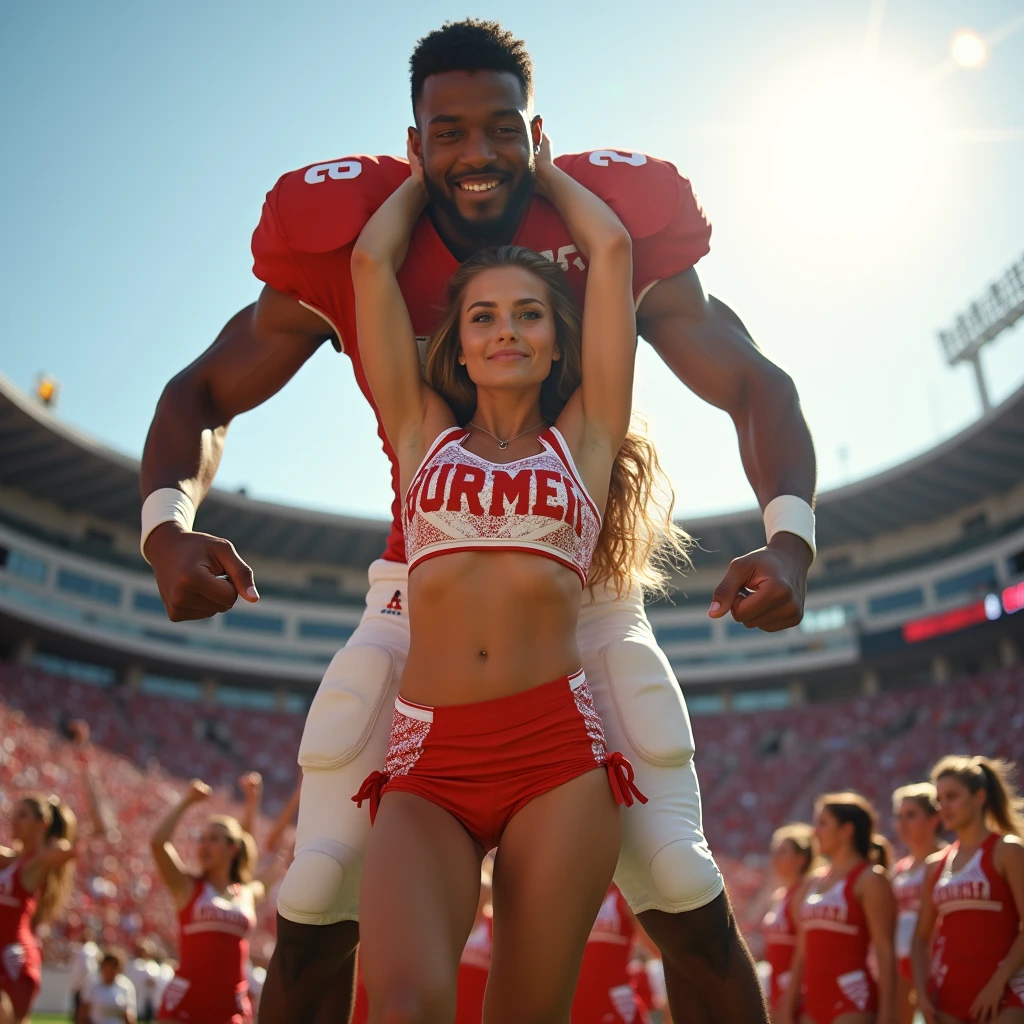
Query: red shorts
(904, 968)
(21, 991)
(827, 997)
(19, 978)
(184, 1001)
(483, 763)
(962, 982)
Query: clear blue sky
(862, 191)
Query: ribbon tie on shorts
(620, 775)
(372, 789)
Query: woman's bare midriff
(486, 624)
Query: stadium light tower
(1000, 307)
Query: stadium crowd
(758, 770)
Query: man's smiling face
(477, 142)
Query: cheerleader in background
(35, 882)
(792, 856)
(848, 908)
(916, 817)
(973, 900)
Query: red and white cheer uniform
(605, 993)
(20, 959)
(484, 762)
(210, 986)
(907, 886)
(836, 942)
(779, 930)
(977, 922)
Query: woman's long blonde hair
(638, 542)
(61, 823)
(244, 860)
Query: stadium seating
(757, 771)
(117, 893)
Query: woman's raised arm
(411, 413)
(609, 321)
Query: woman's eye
(530, 314)
(482, 318)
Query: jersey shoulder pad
(644, 192)
(324, 206)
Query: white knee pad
(309, 892)
(685, 875)
(345, 739)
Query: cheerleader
(916, 817)
(847, 908)
(792, 855)
(973, 900)
(35, 882)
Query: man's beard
(495, 231)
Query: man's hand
(190, 570)
(544, 167)
(766, 589)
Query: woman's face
(214, 849)
(958, 806)
(830, 835)
(507, 329)
(26, 827)
(914, 825)
(787, 861)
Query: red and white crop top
(458, 501)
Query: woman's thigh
(1011, 1015)
(554, 865)
(418, 900)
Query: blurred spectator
(110, 996)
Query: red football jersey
(313, 216)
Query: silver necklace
(504, 444)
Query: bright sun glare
(849, 147)
(968, 49)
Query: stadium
(910, 646)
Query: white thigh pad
(648, 701)
(345, 707)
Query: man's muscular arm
(707, 347)
(255, 355)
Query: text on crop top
(460, 501)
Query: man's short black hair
(470, 45)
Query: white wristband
(166, 505)
(789, 514)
